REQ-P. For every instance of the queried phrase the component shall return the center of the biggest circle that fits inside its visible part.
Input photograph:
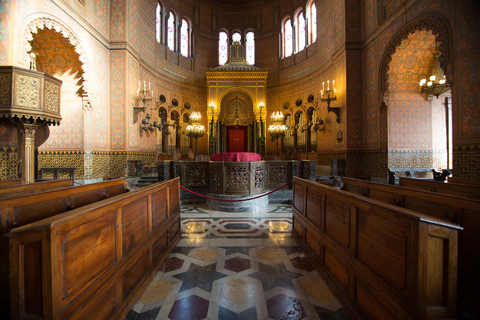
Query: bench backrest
(464, 211)
(25, 209)
(470, 182)
(11, 182)
(386, 262)
(21, 189)
(461, 190)
(98, 257)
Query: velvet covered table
(236, 156)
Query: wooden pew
(11, 182)
(470, 182)
(461, 190)
(464, 211)
(384, 262)
(21, 189)
(25, 209)
(97, 259)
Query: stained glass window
(184, 40)
(171, 31)
(300, 32)
(287, 38)
(250, 43)
(236, 37)
(222, 48)
(313, 23)
(158, 23)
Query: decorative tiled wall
(63, 159)
(466, 162)
(8, 163)
(369, 163)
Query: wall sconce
(319, 124)
(328, 96)
(143, 100)
(339, 136)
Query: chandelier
(437, 82)
(277, 129)
(195, 129)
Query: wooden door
(236, 139)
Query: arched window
(171, 31)
(185, 39)
(236, 37)
(287, 38)
(222, 48)
(300, 32)
(158, 23)
(312, 23)
(250, 44)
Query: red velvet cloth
(236, 156)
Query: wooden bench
(470, 182)
(461, 190)
(464, 211)
(97, 259)
(20, 189)
(383, 261)
(11, 182)
(25, 209)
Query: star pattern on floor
(232, 266)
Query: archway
(236, 122)
(417, 127)
(57, 56)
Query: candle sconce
(143, 100)
(328, 96)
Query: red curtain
(237, 139)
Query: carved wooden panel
(135, 224)
(384, 196)
(431, 208)
(159, 208)
(32, 293)
(160, 246)
(174, 200)
(88, 252)
(382, 247)
(277, 174)
(101, 305)
(237, 178)
(298, 196)
(338, 267)
(195, 175)
(374, 306)
(314, 211)
(312, 242)
(174, 229)
(337, 221)
(258, 177)
(137, 269)
(216, 177)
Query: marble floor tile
(229, 267)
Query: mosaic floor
(235, 267)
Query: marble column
(27, 150)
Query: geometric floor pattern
(262, 275)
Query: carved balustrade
(235, 178)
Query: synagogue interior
(244, 159)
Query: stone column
(27, 150)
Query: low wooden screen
(96, 259)
(11, 182)
(464, 211)
(21, 189)
(471, 182)
(461, 190)
(385, 262)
